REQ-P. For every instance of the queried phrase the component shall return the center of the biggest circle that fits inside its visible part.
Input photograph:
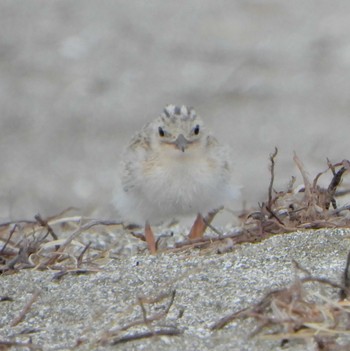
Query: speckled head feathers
(183, 112)
(175, 121)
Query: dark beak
(181, 143)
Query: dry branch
(127, 333)
(173, 331)
(26, 308)
(345, 292)
(26, 345)
(272, 170)
(45, 224)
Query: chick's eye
(161, 131)
(196, 130)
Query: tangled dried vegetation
(36, 244)
(305, 310)
(303, 207)
(56, 243)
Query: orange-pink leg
(198, 228)
(200, 224)
(150, 240)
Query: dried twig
(307, 184)
(10, 344)
(146, 320)
(59, 275)
(9, 238)
(345, 292)
(222, 322)
(209, 218)
(26, 308)
(272, 170)
(44, 223)
(80, 258)
(173, 331)
(19, 221)
(6, 298)
(69, 240)
(155, 317)
(332, 188)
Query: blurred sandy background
(77, 78)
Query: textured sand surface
(79, 77)
(208, 287)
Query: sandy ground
(81, 309)
(78, 78)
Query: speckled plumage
(173, 167)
